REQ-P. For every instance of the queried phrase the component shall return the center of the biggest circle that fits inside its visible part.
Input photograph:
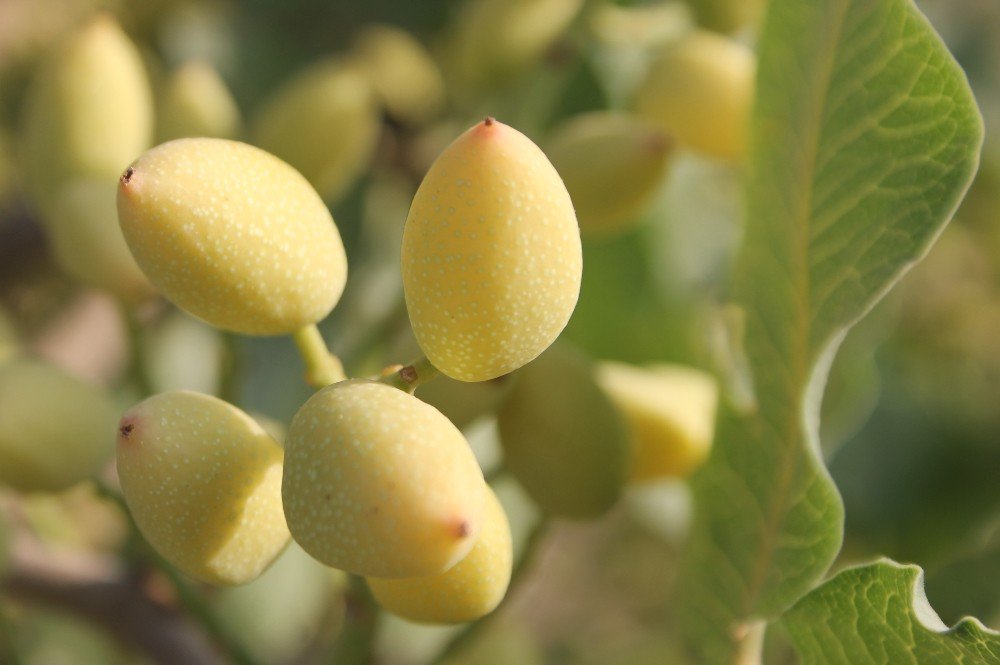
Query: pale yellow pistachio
(491, 257)
(699, 90)
(203, 482)
(470, 589)
(378, 483)
(232, 235)
(670, 410)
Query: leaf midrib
(789, 457)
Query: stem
(186, 593)
(409, 377)
(136, 344)
(523, 565)
(752, 643)
(357, 637)
(113, 602)
(322, 367)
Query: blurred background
(911, 419)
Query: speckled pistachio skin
(468, 590)
(380, 484)
(562, 438)
(55, 431)
(232, 235)
(203, 483)
(670, 411)
(491, 256)
(699, 90)
(88, 112)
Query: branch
(98, 590)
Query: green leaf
(877, 613)
(864, 138)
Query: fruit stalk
(322, 367)
(410, 377)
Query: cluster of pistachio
(370, 478)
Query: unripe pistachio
(55, 431)
(378, 483)
(402, 72)
(203, 482)
(232, 235)
(699, 90)
(87, 242)
(612, 164)
(562, 438)
(325, 123)
(197, 102)
(470, 589)
(670, 410)
(497, 39)
(88, 111)
(491, 256)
